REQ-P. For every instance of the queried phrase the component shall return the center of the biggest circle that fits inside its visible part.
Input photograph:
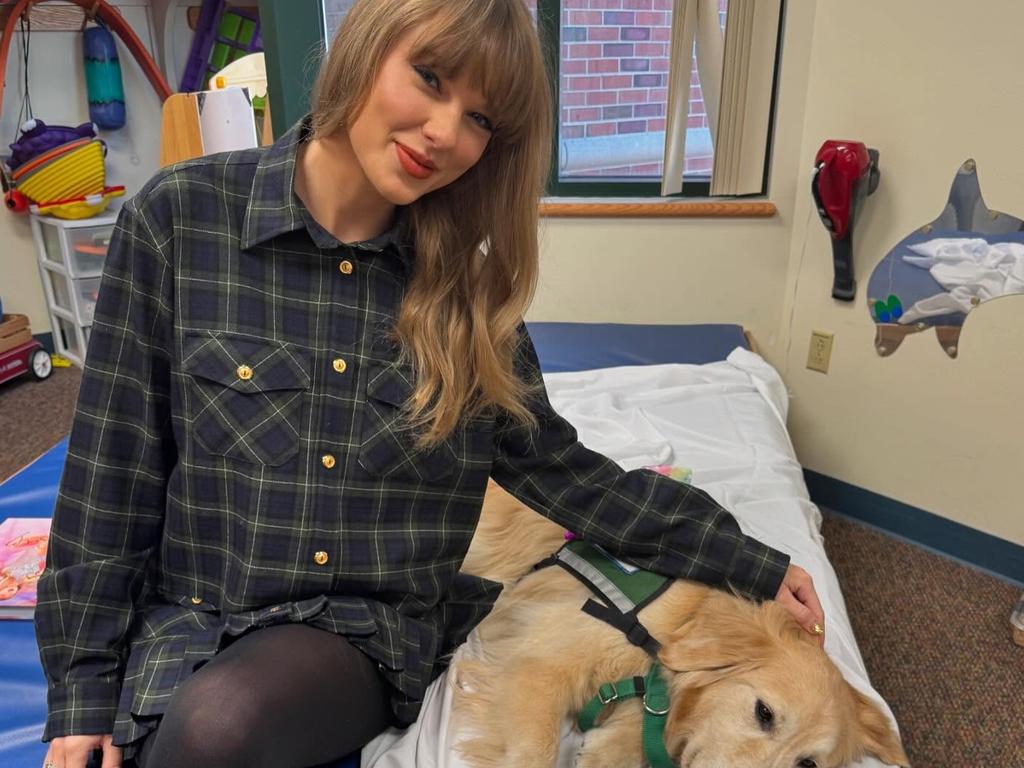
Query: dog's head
(751, 689)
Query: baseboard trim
(982, 550)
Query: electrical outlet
(820, 353)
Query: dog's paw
(603, 748)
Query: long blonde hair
(476, 262)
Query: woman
(305, 364)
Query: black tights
(284, 696)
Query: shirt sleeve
(654, 522)
(110, 504)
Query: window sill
(560, 207)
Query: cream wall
(929, 83)
(689, 270)
(57, 85)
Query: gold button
(197, 600)
(345, 267)
(244, 372)
(320, 558)
(340, 365)
(327, 460)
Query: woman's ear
(874, 732)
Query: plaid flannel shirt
(237, 459)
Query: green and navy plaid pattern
(238, 459)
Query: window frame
(293, 42)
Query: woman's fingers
(74, 751)
(798, 596)
(111, 754)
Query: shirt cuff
(81, 708)
(757, 570)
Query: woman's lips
(411, 165)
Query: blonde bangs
(473, 39)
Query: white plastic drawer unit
(71, 255)
(80, 246)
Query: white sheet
(726, 422)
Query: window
(626, 107)
(617, 100)
(613, 94)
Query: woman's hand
(73, 752)
(797, 596)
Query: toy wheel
(40, 364)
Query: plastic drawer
(59, 285)
(87, 290)
(87, 249)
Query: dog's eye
(807, 762)
(764, 714)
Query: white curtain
(736, 71)
(684, 28)
(741, 138)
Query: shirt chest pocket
(388, 444)
(246, 396)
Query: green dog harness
(654, 693)
(625, 590)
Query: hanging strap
(627, 623)
(624, 589)
(654, 692)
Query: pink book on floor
(22, 558)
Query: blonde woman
(306, 362)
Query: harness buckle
(607, 693)
(656, 704)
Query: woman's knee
(211, 720)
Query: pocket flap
(389, 383)
(246, 364)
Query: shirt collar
(275, 209)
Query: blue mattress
(32, 492)
(584, 346)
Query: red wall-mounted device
(845, 172)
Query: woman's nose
(442, 128)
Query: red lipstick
(414, 164)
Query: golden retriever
(748, 687)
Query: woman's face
(418, 131)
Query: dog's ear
(723, 635)
(874, 732)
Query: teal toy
(103, 78)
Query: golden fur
(543, 659)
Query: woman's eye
(807, 763)
(764, 714)
(428, 76)
(482, 121)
